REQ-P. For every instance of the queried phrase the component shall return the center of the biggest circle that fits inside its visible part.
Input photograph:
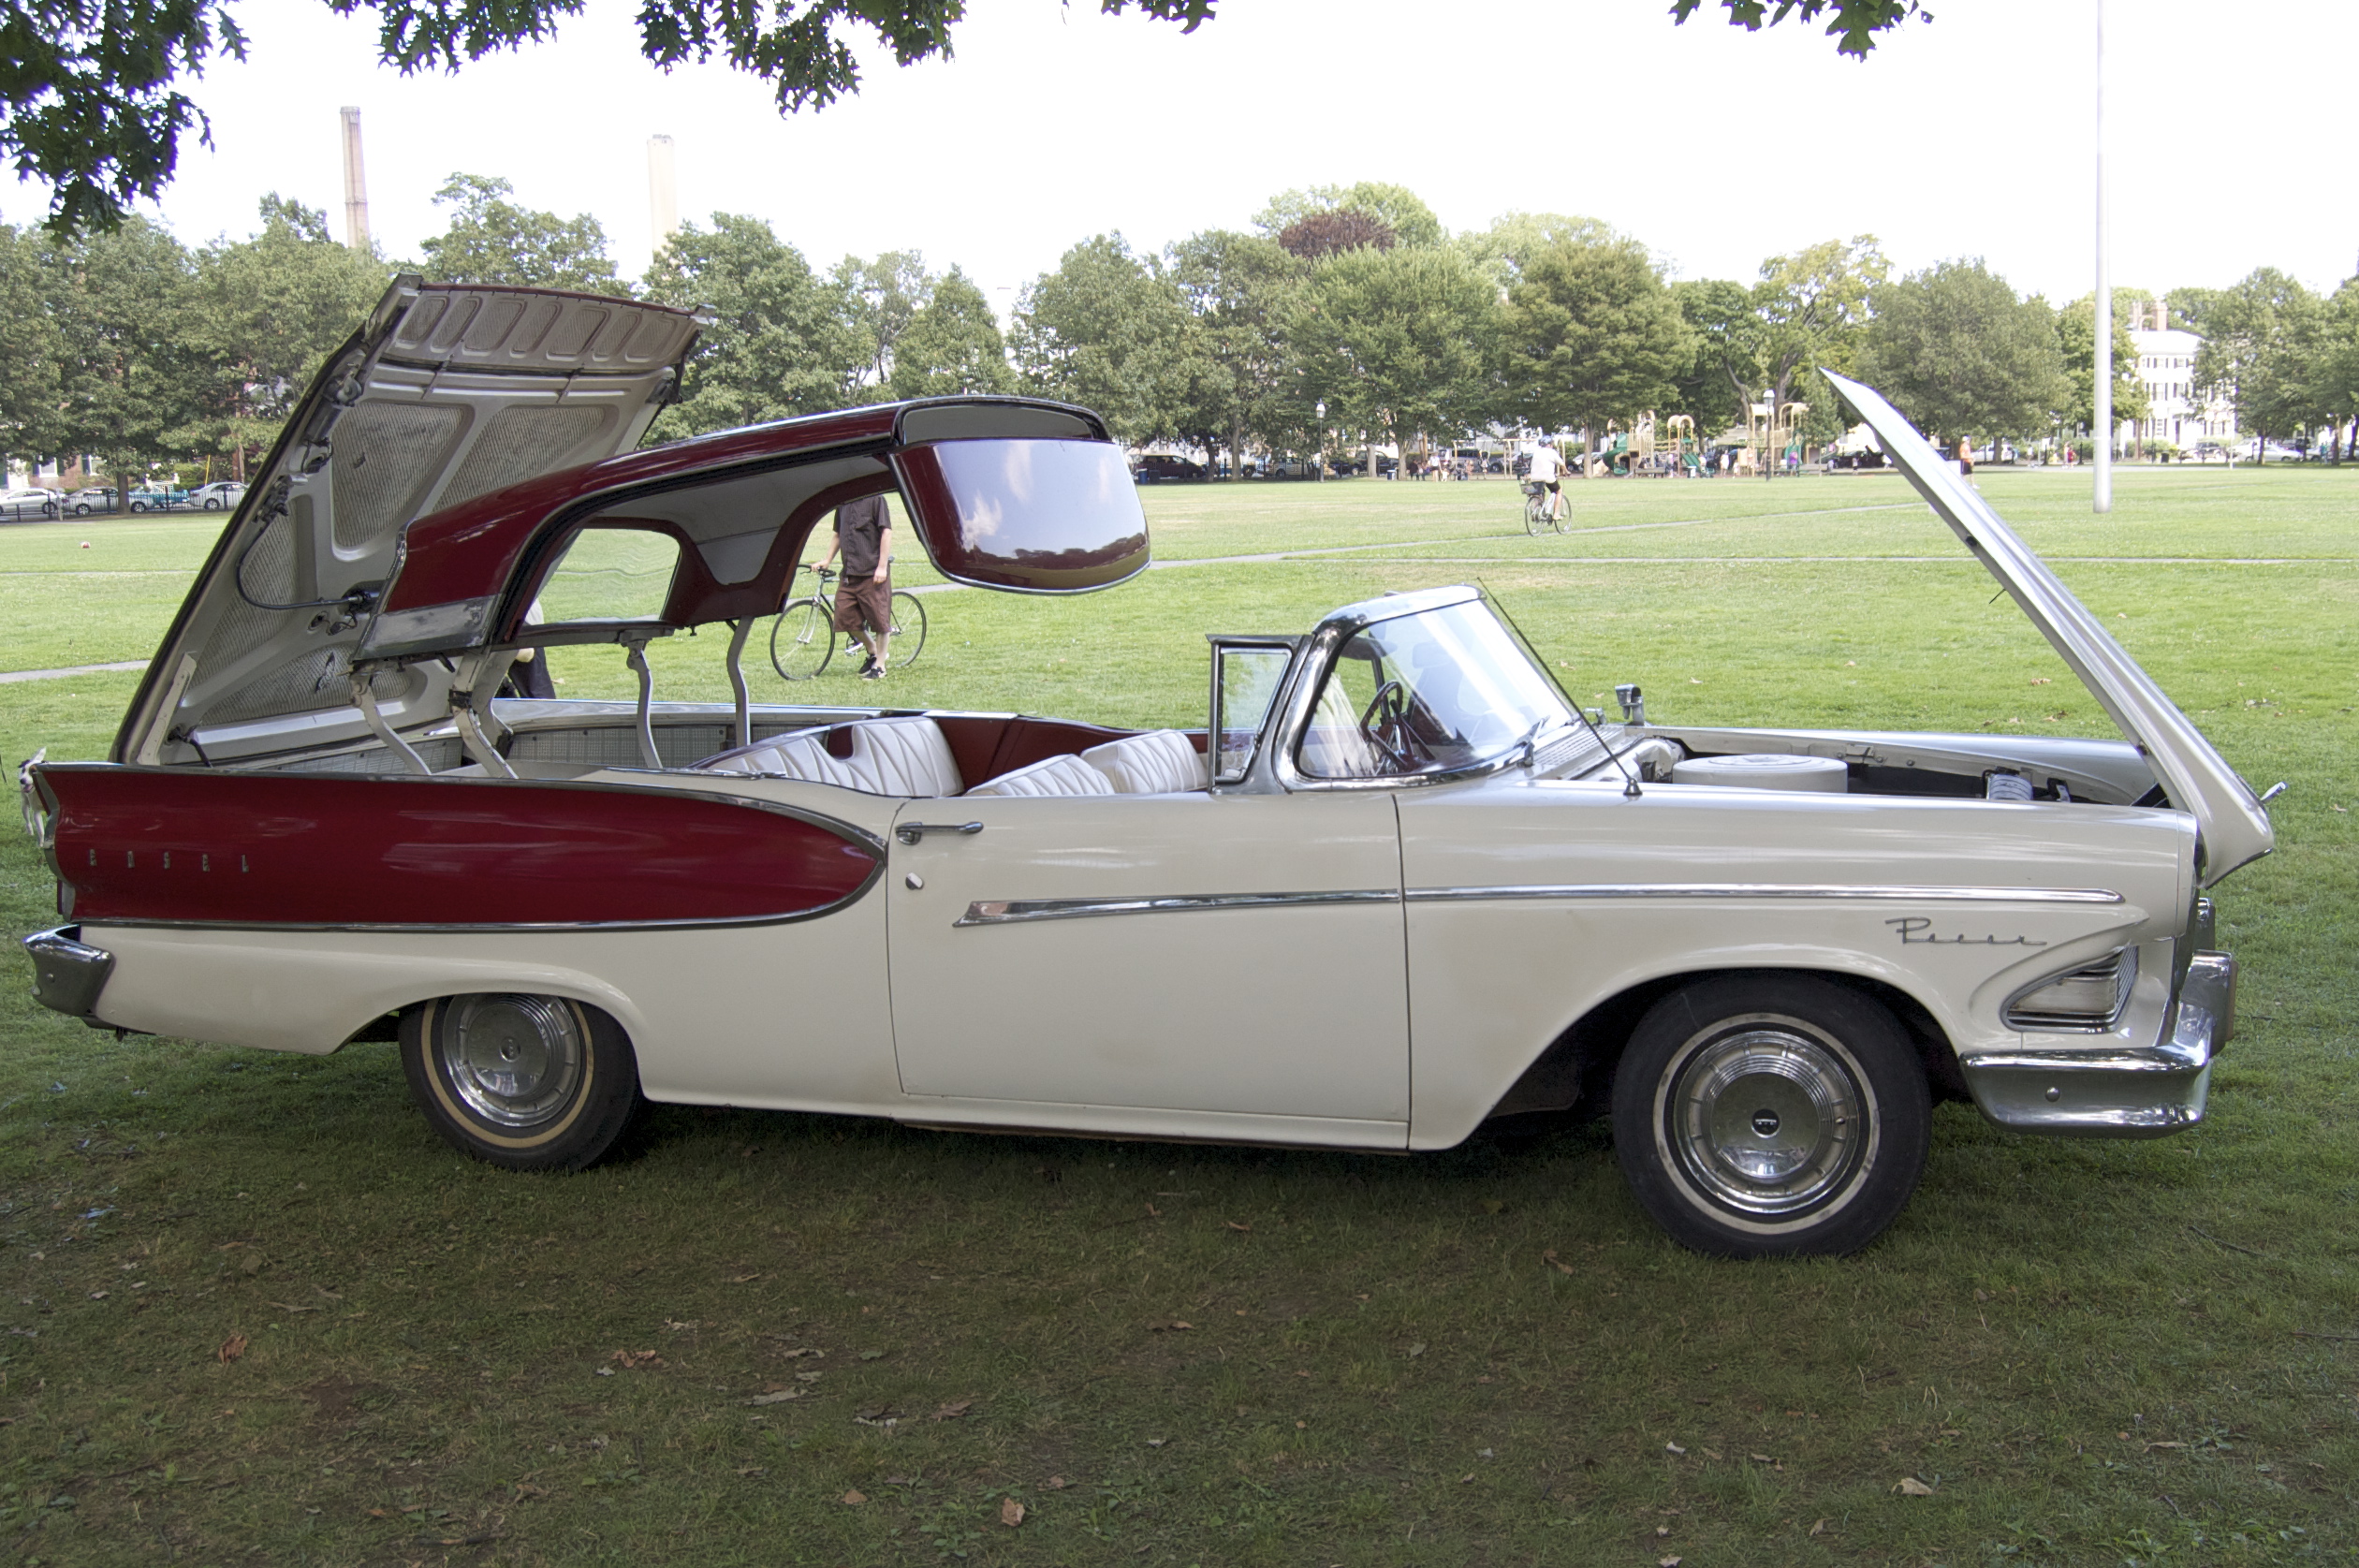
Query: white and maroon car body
(1395, 886)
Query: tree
(1502, 249)
(1724, 364)
(131, 380)
(1398, 207)
(1854, 23)
(1240, 288)
(1958, 352)
(1108, 330)
(1395, 342)
(491, 239)
(952, 345)
(885, 296)
(1316, 236)
(32, 348)
(1806, 311)
(2260, 341)
(91, 105)
(2076, 330)
(265, 313)
(781, 342)
(1590, 335)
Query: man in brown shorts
(863, 606)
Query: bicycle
(802, 639)
(1539, 510)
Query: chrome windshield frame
(1275, 770)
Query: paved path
(70, 669)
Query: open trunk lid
(447, 391)
(2233, 824)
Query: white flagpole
(2103, 499)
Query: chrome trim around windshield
(1006, 912)
(1766, 890)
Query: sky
(1972, 135)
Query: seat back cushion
(1160, 762)
(1054, 775)
(903, 756)
(787, 757)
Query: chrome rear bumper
(2114, 1091)
(68, 974)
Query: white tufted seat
(889, 756)
(1063, 774)
(903, 756)
(1333, 744)
(789, 757)
(1160, 762)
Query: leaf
(2152, 1446)
(1909, 1485)
(952, 1411)
(855, 1498)
(800, 1353)
(1818, 1527)
(1011, 1512)
(1672, 1449)
(1666, 1563)
(871, 1355)
(629, 1359)
(780, 1398)
(1550, 1258)
(1761, 1459)
(743, 1278)
(1235, 1226)
(1416, 1350)
(231, 1348)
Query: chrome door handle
(910, 833)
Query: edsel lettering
(1917, 930)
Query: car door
(1226, 954)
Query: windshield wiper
(1629, 788)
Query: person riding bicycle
(864, 604)
(1546, 470)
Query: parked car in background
(92, 498)
(28, 501)
(1162, 466)
(1291, 468)
(157, 498)
(219, 495)
(1397, 885)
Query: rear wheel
(1535, 509)
(1775, 1114)
(909, 628)
(527, 1082)
(802, 640)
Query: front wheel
(525, 1082)
(802, 640)
(1770, 1116)
(909, 628)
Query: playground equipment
(1775, 434)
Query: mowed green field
(2090, 1352)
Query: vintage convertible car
(1397, 885)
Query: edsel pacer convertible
(1396, 886)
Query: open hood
(2233, 824)
(447, 393)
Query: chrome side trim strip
(1004, 912)
(1766, 890)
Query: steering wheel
(1384, 722)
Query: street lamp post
(2103, 499)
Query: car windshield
(1430, 692)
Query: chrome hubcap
(514, 1059)
(1766, 1119)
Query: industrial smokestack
(356, 183)
(662, 190)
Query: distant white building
(2166, 367)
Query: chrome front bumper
(68, 974)
(2114, 1091)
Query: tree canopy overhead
(1851, 23)
(91, 91)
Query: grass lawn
(2091, 1352)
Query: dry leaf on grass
(1235, 1226)
(1011, 1512)
(1672, 1449)
(1056, 1483)
(1550, 1258)
(1818, 1527)
(952, 1411)
(1416, 1350)
(632, 1358)
(231, 1348)
(2152, 1446)
(777, 1396)
(743, 1278)
(1909, 1485)
(854, 1497)
(1666, 1563)
(798, 1355)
